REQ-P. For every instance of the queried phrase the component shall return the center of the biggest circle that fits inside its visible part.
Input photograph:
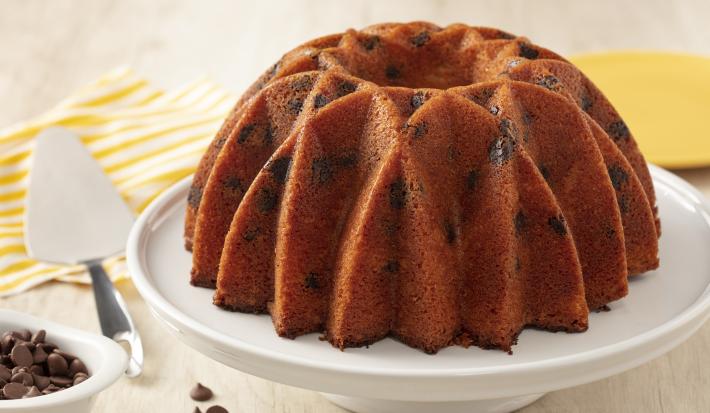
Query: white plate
(663, 308)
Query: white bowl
(664, 307)
(104, 358)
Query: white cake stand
(662, 310)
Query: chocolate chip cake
(437, 185)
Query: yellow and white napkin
(146, 140)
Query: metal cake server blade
(74, 215)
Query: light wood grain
(47, 49)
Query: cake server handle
(115, 321)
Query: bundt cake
(437, 185)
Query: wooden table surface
(47, 49)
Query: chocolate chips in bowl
(32, 366)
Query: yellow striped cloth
(146, 139)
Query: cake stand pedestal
(363, 405)
(663, 308)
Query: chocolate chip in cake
(392, 266)
(518, 264)
(216, 409)
(544, 172)
(623, 204)
(495, 110)
(450, 232)
(233, 184)
(520, 222)
(251, 234)
(482, 96)
(346, 88)
(319, 101)
(302, 83)
(321, 170)
(200, 393)
(279, 168)
(610, 233)
(398, 194)
(585, 102)
(618, 130)
(346, 161)
(392, 72)
(420, 129)
(618, 176)
(417, 100)
(508, 129)
(558, 224)
(266, 200)
(370, 43)
(527, 51)
(420, 39)
(311, 281)
(194, 196)
(472, 180)
(501, 150)
(295, 105)
(548, 82)
(245, 132)
(504, 35)
(268, 137)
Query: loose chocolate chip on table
(216, 409)
(14, 391)
(21, 355)
(200, 393)
(197, 410)
(57, 365)
(34, 392)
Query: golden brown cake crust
(438, 185)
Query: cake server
(75, 216)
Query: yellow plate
(664, 98)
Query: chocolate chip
(21, 355)
(420, 129)
(251, 234)
(508, 129)
(268, 137)
(370, 43)
(5, 373)
(200, 393)
(494, 110)
(216, 409)
(618, 130)
(24, 378)
(39, 337)
(295, 105)
(420, 39)
(79, 378)
(482, 96)
(24, 334)
(245, 132)
(61, 381)
(544, 171)
(392, 72)
(548, 82)
(37, 369)
(233, 184)
(558, 225)
(34, 392)
(501, 150)
(346, 88)
(40, 381)
(585, 103)
(197, 410)
(193, 199)
(417, 100)
(623, 204)
(398, 194)
(471, 180)
(319, 101)
(618, 176)
(392, 266)
(77, 366)
(520, 222)
(13, 391)
(518, 265)
(321, 170)
(57, 365)
(528, 52)
(311, 282)
(279, 168)
(51, 389)
(504, 35)
(450, 232)
(302, 83)
(266, 200)
(610, 233)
